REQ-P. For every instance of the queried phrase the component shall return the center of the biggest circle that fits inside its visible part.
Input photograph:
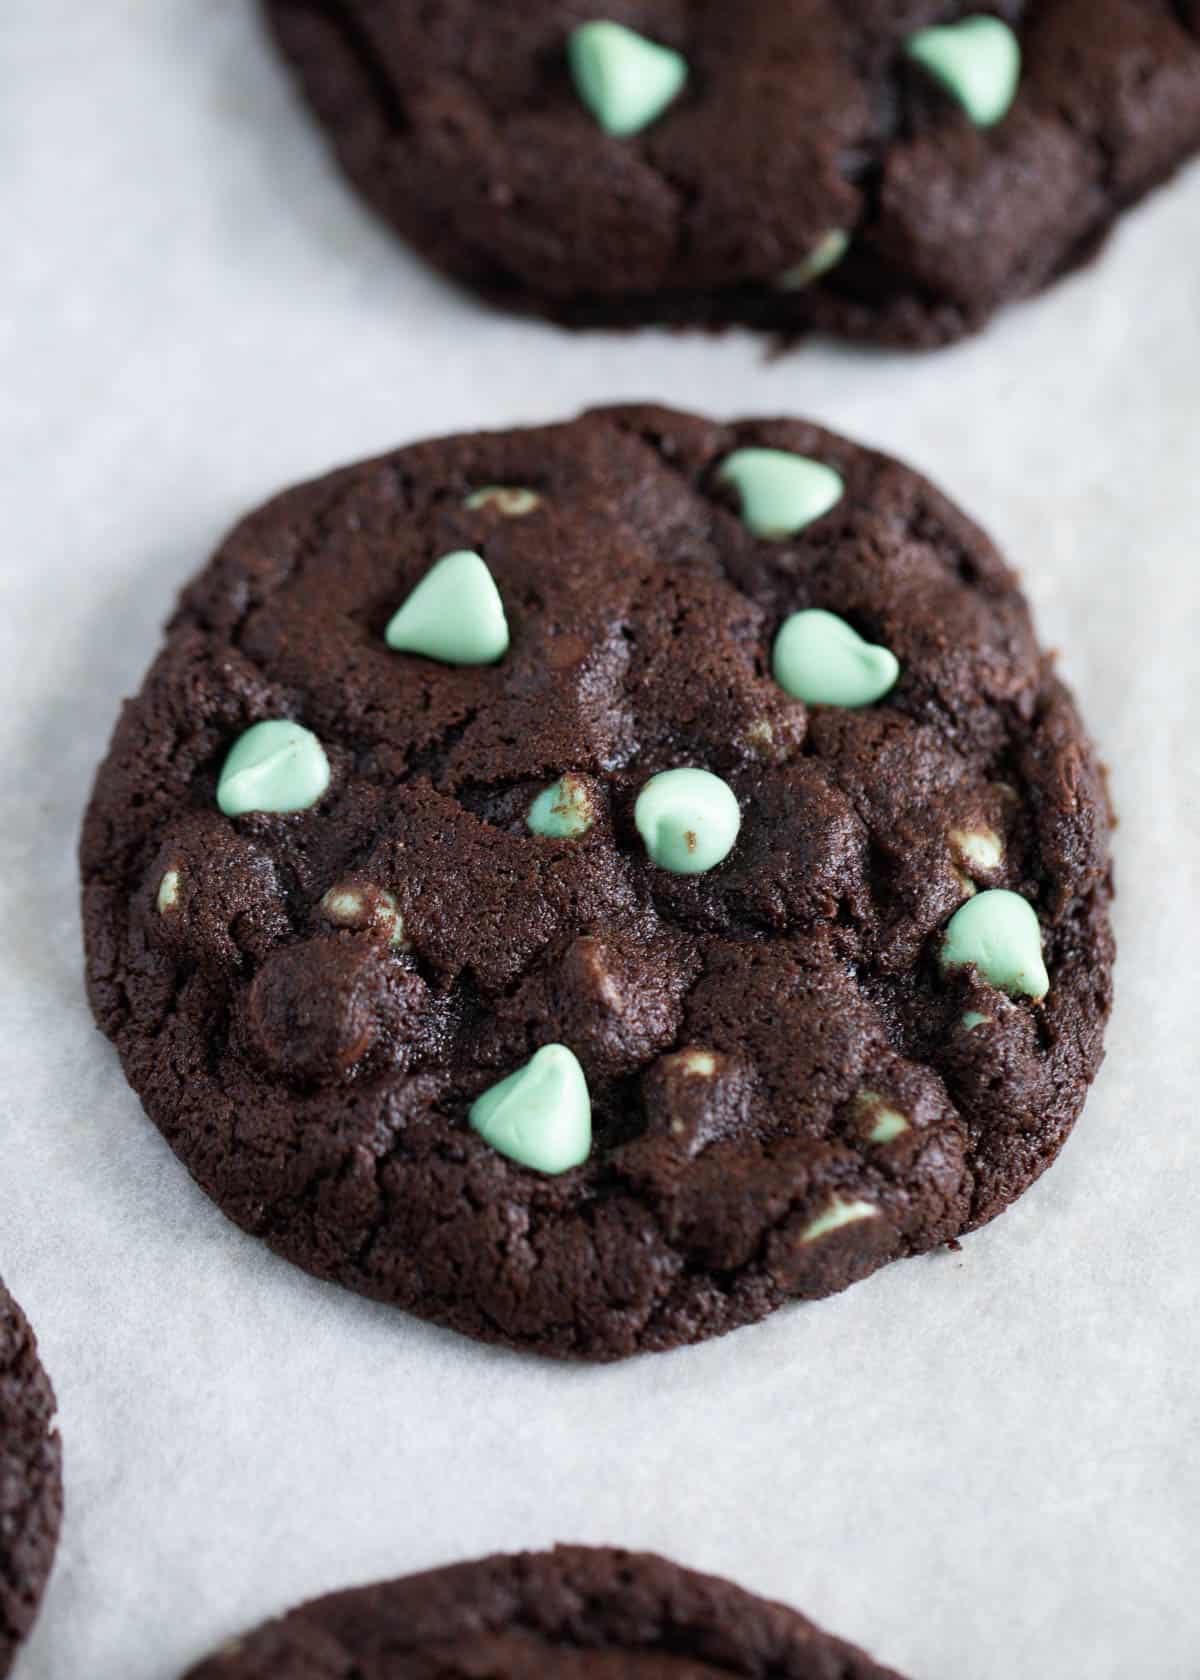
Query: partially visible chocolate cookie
(30, 1479)
(572, 1614)
(591, 885)
(874, 169)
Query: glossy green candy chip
(563, 811)
(998, 933)
(780, 492)
(454, 615)
(541, 1115)
(274, 766)
(688, 819)
(625, 81)
(977, 61)
(822, 660)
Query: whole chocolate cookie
(30, 1479)
(590, 885)
(884, 170)
(576, 1613)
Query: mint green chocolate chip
(541, 1115)
(977, 61)
(822, 660)
(826, 254)
(352, 906)
(835, 1216)
(973, 1019)
(886, 1123)
(345, 905)
(274, 766)
(514, 501)
(780, 492)
(454, 615)
(625, 81)
(689, 820)
(980, 848)
(998, 933)
(562, 811)
(168, 892)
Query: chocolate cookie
(590, 885)
(30, 1479)
(576, 1613)
(893, 171)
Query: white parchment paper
(984, 1464)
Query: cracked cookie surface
(788, 1088)
(577, 1613)
(30, 1479)
(810, 175)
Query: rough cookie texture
(30, 1479)
(460, 124)
(739, 1029)
(575, 1614)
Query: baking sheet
(984, 1463)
